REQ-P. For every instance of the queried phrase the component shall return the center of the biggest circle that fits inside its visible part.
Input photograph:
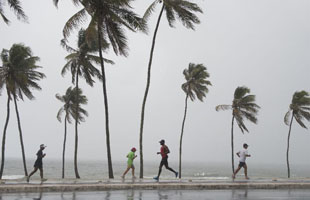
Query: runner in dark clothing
(38, 163)
(164, 150)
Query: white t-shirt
(243, 154)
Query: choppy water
(166, 194)
(98, 170)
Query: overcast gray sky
(261, 44)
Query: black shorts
(164, 162)
(38, 165)
(242, 164)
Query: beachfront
(58, 185)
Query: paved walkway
(13, 186)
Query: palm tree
(298, 110)
(108, 20)
(195, 86)
(18, 75)
(184, 11)
(69, 108)
(16, 7)
(80, 63)
(243, 107)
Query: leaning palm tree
(184, 11)
(195, 86)
(72, 98)
(108, 20)
(18, 75)
(298, 110)
(243, 107)
(80, 64)
(15, 5)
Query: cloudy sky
(261, 44)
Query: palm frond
(74, 22)
(299, 118)
(287, 118)
(150, 10)
(223, 107)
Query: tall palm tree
(80, 63)
(69, 108)
(15, 5)
(184, 11)
(243, 107)
(108, 20)
(195, 86)
(18, 75)
(299, 110)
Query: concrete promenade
(16, 186)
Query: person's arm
(238, 154)
(161, 151)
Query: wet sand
(236, 194)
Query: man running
(243, 154)
(164, 150)
(38, 164)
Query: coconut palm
(80, 64)
(183, 10)
(299, 110)
(195, 87)
(69, 108)
(18, 75)
(243, 107)
(15, 5)
(108, 20)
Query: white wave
(12, 177)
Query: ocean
(94, 170)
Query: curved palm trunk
(20, 136)
(181, 138)
(288, 147)
(4, 136)
(76, 126)
(105, 104)
(64, 148)
(232, 145)
(146, 92)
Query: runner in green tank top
(131, 156)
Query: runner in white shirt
(243, 154)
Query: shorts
(38, 165)
(164, 162)
(242, 164)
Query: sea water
(97, 170)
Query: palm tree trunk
(288, 147)
(76, 125)
(147, 91)
(181, 138)
(20, 136)
(4, 136)
(64, 148)
(232, 145)
(105, 103)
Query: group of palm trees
(109, 18)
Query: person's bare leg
(41, 173)
(34, 171)
(246, 171)
(133, 172)
(128, 168)
(237, 170)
